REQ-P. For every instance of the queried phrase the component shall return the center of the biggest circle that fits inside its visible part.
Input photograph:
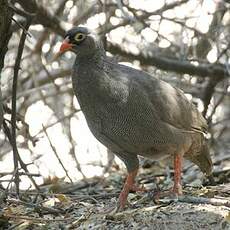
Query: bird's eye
(79, 37)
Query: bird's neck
(91, 57)
(86, 67)
(87, 79)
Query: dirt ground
(91, 203)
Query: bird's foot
(177, 190)
(122, 200)
(172, 193)
(125, 192)
(129, 185)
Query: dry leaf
(50, 203)
(227, 217)
(63, 198)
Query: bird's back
(169, 103)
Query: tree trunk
(5, 34)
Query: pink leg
(128, 186)
(177, 188)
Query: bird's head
(80, 41)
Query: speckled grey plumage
(133, 113)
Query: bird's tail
(199, 154)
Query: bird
(134, 113)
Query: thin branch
(43, 16)
(22, 27)
(208, 92)
(23, 165)
(218, 102)
(14, 100)
(204, 200)
(20, 12)
(56, 154)
(59, 120)
(20, 173)
(36, 219)
(38, 207)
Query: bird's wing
(169, 103)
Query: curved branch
(179, 66)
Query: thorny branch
(14, 101)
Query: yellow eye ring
(79, 37)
